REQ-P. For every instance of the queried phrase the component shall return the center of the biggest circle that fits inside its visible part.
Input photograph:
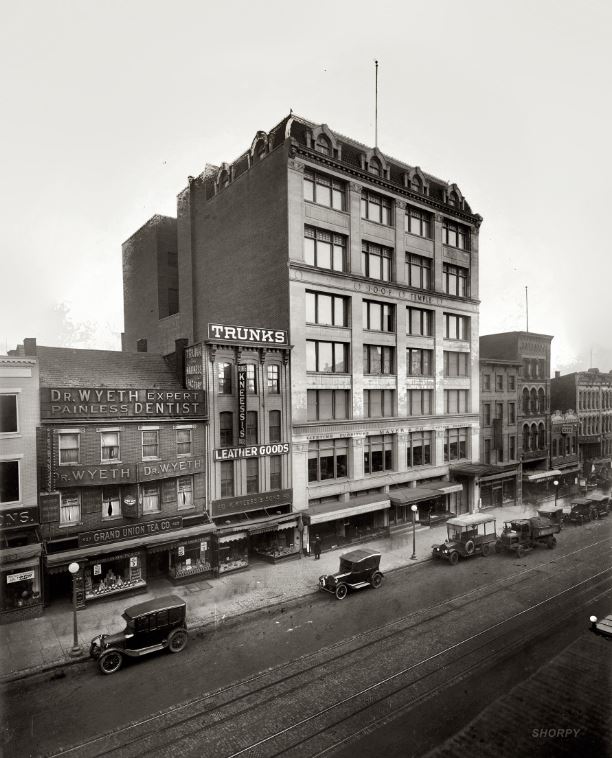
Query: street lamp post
(76, 648)
(556, 483)
(414, 510)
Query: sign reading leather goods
(221, 332)
(104, 402)
(252, 451)
(128, 532)
(250, 502)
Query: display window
(278, 544)
(114, 574)
(233, 552)
(20, 587)
(191, 559)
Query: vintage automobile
(601, 502)
(603, 627)
(587, 509)
(468, 535)
(552, 512)
(358, 568)
(522, 535)
(149, 626)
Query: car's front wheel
(177, 640)
(453, 558)
(551, 542)
(484, 550)
(341, 591)
(110, 662)
(376, 580)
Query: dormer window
(322, 145)
(416, 185)
(374, 167)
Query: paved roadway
(327, 673)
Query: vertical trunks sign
(242, 402)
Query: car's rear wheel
(177, 640)
(485, 549)
(453, 558)
(551, 542)
(110, 662)
(593, 515)
(341, 591)
(498, 547)
(376, 580)
(520, 552)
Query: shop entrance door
(497, 496)
(157, 564)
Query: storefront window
(114, 574)
(378, 454)
(277, 544)
(20, 588)
(184, 491)
(190, 559)
(233, 552)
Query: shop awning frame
(541, 476)
(318, 514)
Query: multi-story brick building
(21, 586)
(371, 267)
(121, 449)
(589, 394)
(564, 455)
(533, 413)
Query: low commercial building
(21, 586)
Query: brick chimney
(29, 346)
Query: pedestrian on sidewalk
(317, 547)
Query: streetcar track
(406, 622)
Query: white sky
(109, 106)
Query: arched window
(541, 401)
(541, 437)
(224, 179)
(554, 447)
(260, 150)
(533, 401)
(526, 437)
(453, 199)
(374, 167)
(416, 184)
(322, 145)
(533, 437)
(525, 401)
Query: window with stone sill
(417, 222)
(455, 235)
(184, 492)
(325, 249)
(9, 421)
(418, 271)
(377, 261)
(111, 503)
(375, 207)
(324, 190)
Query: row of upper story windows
(499, 383)
(498, 409)
(69, 445)
(563, 446)
(381, 359)
(227, 428)
(534, 437)
(595, 399)
(533, 368)
(333, 310)
(330, 192)
(533, 402)
(328, 250)
(596, 425)
(228, 478)
(226, 383)
(493, 450)
(329, 459)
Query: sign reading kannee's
(104, 402)
(222, 332)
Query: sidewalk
(44, 643)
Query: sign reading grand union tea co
(104, 402)
(222, 332)
(118, 533)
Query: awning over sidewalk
(485, 472)
(407, 495)
(316, 514)
(60, 561)
(444, 488)
(541, 476)
(569, 469)
(257, 525)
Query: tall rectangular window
(455, 364)
(419, 402)
(275, 472)
(324, 190)
(150, 443)
(251, 428)
(378, 454)
(455, 401)
(376, 261)
(274, 426)
(512, 413)
(511, 448)
(328, 310)
(69, 445)
(184, 441)
(10, 490)
(378, 316)
(418, 271)
(111, 502)
(70, 507)
(456, 327)
(499, 382)
(224, 378)
(417, 222)
(252, 475)
(455, 444)
(327, 459)
(378, 403)
(419, 450)
(486, 414)
(419, 322)
(227, 478)
(327, 357)
(184, 492)
(378, 359)
(486, 382)
(511, 383)
(419, 362)
(8, 414)
(455, 280)
(499, 411)
(150, 498)
(273, 372)
(455, 235)
(109, 442)
(376, 208)
(324, 249)
(324, 405)
(487, 451)
(251, 378)
(226, 429)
